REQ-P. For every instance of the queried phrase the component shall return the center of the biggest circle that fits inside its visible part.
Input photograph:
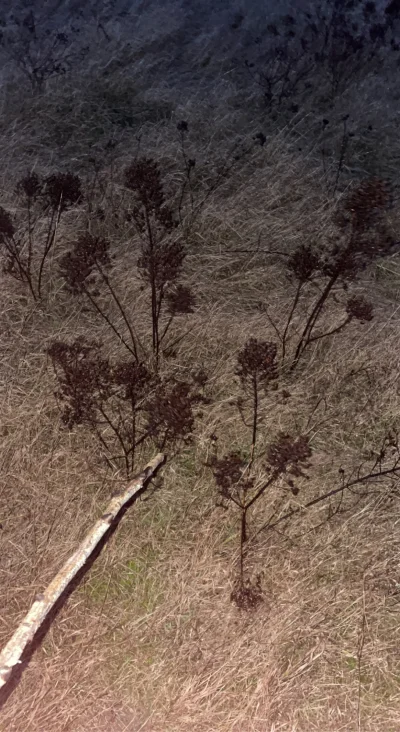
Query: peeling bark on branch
(44, 602)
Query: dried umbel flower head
(62, 190)
(256, 361)
(134, 378)
(229, 474)
(143, 177)
(303, 263)
(364, 206)
(12, 246)
(85, 379)
(80, 266)
(180, 301)
(360, 308)
(289, 454)
(30, 186)
(170, 412)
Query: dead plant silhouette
(286, 458)
(361, 238)
(125, 405)
(24, 249)
(328, 45)
(85, 268)
(38, 49)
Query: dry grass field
(151, 641)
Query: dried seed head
(360, 308)
(180, 301)
(303, 263)
(30, 186)
(289, 454)
(229, 475)
(62, 190)
(85, 379)
(170, 412)
(134, 378)
(161, 264)
(78, 267)
(260, 138)
(228, 471)
(364, 206)
(257, 361)
(247, 595)
(143, 177)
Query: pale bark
(44, 602)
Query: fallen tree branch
(44, 602)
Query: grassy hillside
(236, 167)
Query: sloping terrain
(273, 164)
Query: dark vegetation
(335, 42)
(29, 238)
(360, 238)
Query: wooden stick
(44, 602)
